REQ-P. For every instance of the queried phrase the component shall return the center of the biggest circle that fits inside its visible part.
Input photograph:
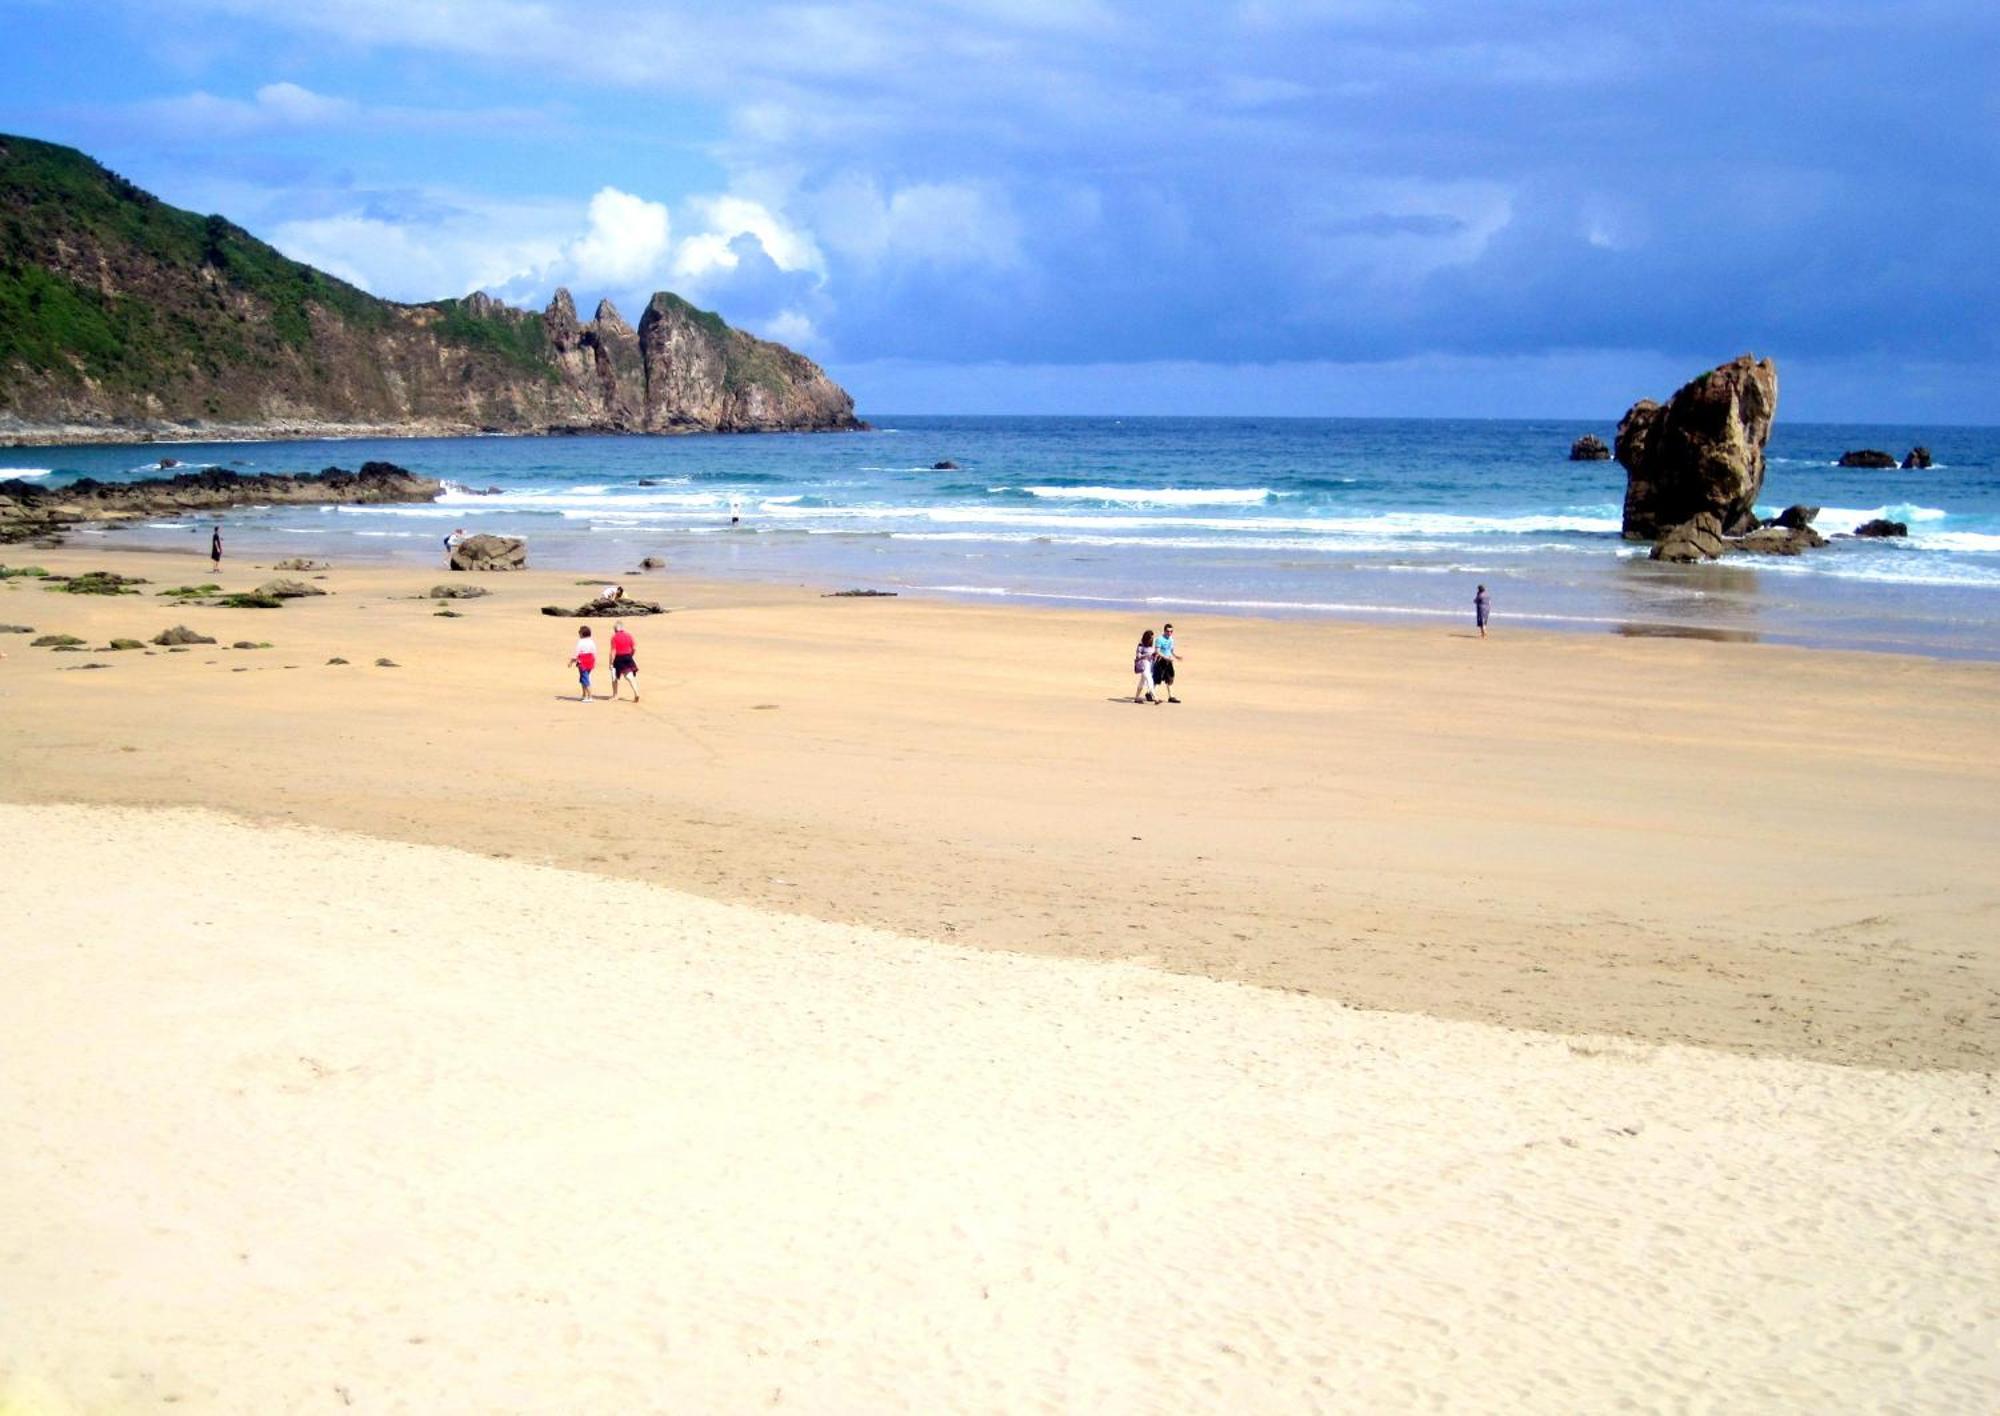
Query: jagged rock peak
(608, 318)
(560, 319)
(481, 304)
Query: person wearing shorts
(583, 661)
(623, 665)
(1165, 656)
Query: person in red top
(623, 665)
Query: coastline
(26, 437)
(1743, 847)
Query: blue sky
(1515, 207)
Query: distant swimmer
(735, 510)
(1482, 605)
(624, 661)
(215, 547)
(1166, 655)
(583, 660)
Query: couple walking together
(1153, 661)
(624, 664)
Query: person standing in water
(624, 664)
(215, 547)
(583, 660)
(1481, 607)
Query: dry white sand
(298, 1121)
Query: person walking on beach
(623, 663)
(583, 661)
(1142, 665)
(1165, 657)
(1481, 607)
(215, 547)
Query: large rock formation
(28, 508)
(1870, 457)
(122, 317)
(1702, 451)
(1589, 448)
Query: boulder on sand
(602, 608)
(1699, 538)
(1589, 448)
(1868, 457)
(181, 634)
(485, 552)
(1701, 451)
(458, 592)
(286, 590)
(1880, 527)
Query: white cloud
(626, 244)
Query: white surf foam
(1156, 496)
(24, 472)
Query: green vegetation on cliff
(120, 311)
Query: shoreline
(1749, 848)
(1385, 616)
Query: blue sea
(1354, 518)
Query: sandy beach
(882, 1014)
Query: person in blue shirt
(1165, 656)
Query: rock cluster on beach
(213, 331)
(29, 509)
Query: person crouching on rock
(583, 661)
(623, 663)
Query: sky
(1492, 208)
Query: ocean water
(1359, 518)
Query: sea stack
(1701, 451)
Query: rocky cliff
(1700, 451)
(121, 316)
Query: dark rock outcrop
(181, 634)
(1881, 527)
(1589, 448)
(605, 608)
(1700, 452)
(1867, 457)
(1919, 459)
(1795, 518)
(28, 507)
(1699, 538)
(1777, 540)
(945, 466)
(486, 552)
